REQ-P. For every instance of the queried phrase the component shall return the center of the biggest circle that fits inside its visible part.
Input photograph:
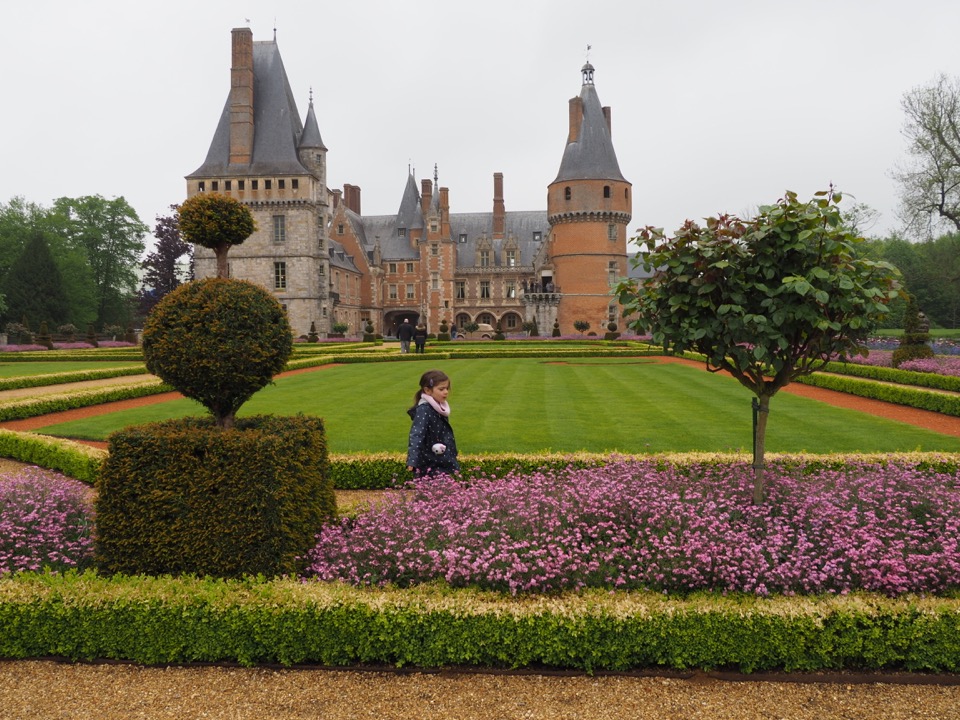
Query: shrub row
(911, 397)
(378, 471)
(92, 355)
(32, 407)
(164, 620)
(893, 375)
(28, 381)
(80, 462)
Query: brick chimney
(241, 97)
(351, 197)
(336, 198)
(445, 212)
(498, 210)
(426, 194)
(576, 118)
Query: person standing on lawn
(432, 447)
(404, 334)
(420, 338)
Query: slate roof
(277, 126)
(591, 156)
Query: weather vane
(588, 52)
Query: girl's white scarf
(443, 409)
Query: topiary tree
(766, 299)
(312, 336)
(498, 333)
(217, 341)
(914, 345)
(581, 326)
(217, 222)
(556, 329)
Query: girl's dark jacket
(430, 427)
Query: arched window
(566, 193)
(606, 191)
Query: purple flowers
(46, 521)
(889, 529)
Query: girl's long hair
(428, 380)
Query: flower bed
(888, 528)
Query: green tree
(217, 222)
(163, 272)
(33, 288)
(111, 235)
(930, 180)
(766, 300)
(217, 341)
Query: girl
(432, 447)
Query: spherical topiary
(217, 341)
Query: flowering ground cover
(46, 521)
(890, 529)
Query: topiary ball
(217, 341)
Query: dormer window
(537, 236)
(463, 236)
(484, 258)
(340, 229)
(401, 232)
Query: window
(393, 292)
(485, 289)
(254, 184)
(484, 258)
(279, 228)
(323, 312)
(511, 258)
(280, 276)
(433, 226)
(323, 269)
(267, 184)
(201, 186)
(239, 184)
(409, 291)
(606, 191)
(281, 184)
(486, 318)
(434, 281)
(401, 232)
(463, 237)
(461, 290)
(611, 232)
(320, 243)
(511, 291)
(215, 185)
(612, 272)
(566, 193)
(295, 183)
(409, 267)
(226, 185)
(340, 229)
(392, 267)
(434, 249)
(511, 322)
(537, 236)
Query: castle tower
(589, 205)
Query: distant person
(420, 338)
(404, 334)
(432, 447)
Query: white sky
(718, 106)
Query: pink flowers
(628, 525)
(46, 521)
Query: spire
(311, 130)
(589, 154)
(409, 215)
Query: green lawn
(25, 369)
(529, 405)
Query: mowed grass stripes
(561, 405)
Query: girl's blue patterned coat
(430, 427)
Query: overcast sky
(717, 106)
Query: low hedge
(893, 375)
(32, 407)
(72, 459)
(249, 621)
(899, 394)
(29, 381)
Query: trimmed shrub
(217, 341)
(185, 496)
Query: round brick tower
(588, 207)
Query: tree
(217, 222)
(581, 326)
(766, 300)
(162, 267)
(111, 234)
(930, 182)
(217, 341)
(33, 287)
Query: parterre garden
(583, 560)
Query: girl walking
(432, 447)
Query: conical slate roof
(311, 130)
(591, 155)
(409, 215)
(276, 122)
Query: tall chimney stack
(498, 209)
(576, 118)
(426, 194)
(606, 116)
(241, 97)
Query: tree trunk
(221, 253)
(759, 447)
(225, 422)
